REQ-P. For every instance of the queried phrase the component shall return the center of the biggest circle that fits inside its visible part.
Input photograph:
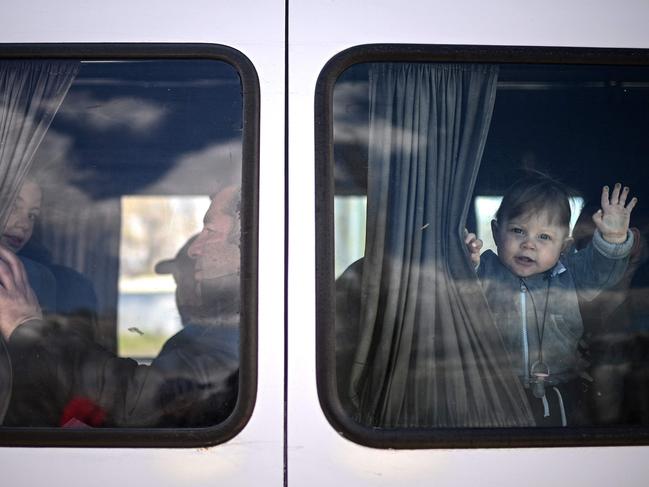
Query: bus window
(472, 281)
(128, 197)
(155, 292)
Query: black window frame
(249, 210)
(428, 438)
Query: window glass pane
(543, 321)
(154, 229)
(122, 189)
(350, 230)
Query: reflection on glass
(135, 245)
(350, 230)
(485, 208)
(154, 230)
(433, 332)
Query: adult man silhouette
(60, 378)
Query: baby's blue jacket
(518, 304)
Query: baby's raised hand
(612, 219)
(473, 244)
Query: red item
(80, 412)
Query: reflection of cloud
(194, 83)
(54, 148)
(348, 93)
(126, 112)
(350, 111)
(55, 168)
(206, 170)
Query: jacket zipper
(525, 342)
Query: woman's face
(26, 210)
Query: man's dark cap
(171, 266)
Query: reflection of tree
(154, 228)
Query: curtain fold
(429, 354)
(30, 95)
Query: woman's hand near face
(18, 302)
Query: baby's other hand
(473, 244)
(612, 219)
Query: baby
(532, 285)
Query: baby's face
(26, 210)
(530, 244)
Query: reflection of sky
(152, 128)
(350, 110)
(350, 214)
(123, 126)
(151, 313)
(585, 124)
(131, 114)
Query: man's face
(529, 244)
(216, 249)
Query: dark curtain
(30, 95)
(429, 354)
